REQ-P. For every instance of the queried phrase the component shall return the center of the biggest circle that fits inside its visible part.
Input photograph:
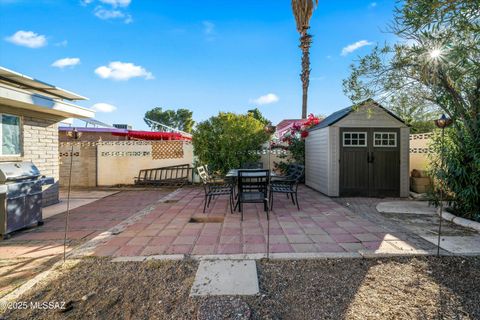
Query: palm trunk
(305, 43)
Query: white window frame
(1, 135)
(381, 145)
(358, 139)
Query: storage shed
(359, 151)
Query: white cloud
(266, 99)
(354, 46)
(28, 39)
(107, 14)
(117, 3)
(208, 27)
(63, 43)
(66, 62)
(103, 107)
(209, 30)
(117, 70)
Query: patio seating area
(179, 226)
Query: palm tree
(303, 10)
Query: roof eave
(21, 99)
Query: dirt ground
(394, 288)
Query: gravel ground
(394, 288)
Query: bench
(165, 176)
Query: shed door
(370, 162)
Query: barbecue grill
(20, 196)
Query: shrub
(460, 175)
(228, 140)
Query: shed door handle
(370, 157)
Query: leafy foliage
(228, 140)
(435, 64)
(460, 174)
(180, 119)
(295, 142)
(259, 116)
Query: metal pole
(441, 193)
(68, 204)
(268, 202)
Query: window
(354, 139)
(384, 139)
(10, 135)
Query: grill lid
(11, 171)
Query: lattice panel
(167, 150)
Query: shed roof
(342, 113)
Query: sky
(128, 56)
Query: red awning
(152, 135)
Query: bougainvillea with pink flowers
(294, 141)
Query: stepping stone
(408, 207)
(225, 277)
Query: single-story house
(286, 125)
(30, 111)
(361, 150)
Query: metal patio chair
(213, 189)
(288, 185)
(252, 188)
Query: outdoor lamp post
(269, 129)
(441, 123)
(73, 135)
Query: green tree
(437, 61)
(413, 111)
(303, 11)
(181, 119)
(259, 116)
(228, 140)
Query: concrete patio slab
(412, 207)
(225, 277)
(416, 230)
(78, 198)
(457, 244)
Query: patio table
(233, 173)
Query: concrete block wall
(84, 163)
(419, 150)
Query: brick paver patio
(321, 226)
(31, 251)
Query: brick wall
(40, 145)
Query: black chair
(291, 171)
(253, 188)
(213, 189)
(288, 185)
